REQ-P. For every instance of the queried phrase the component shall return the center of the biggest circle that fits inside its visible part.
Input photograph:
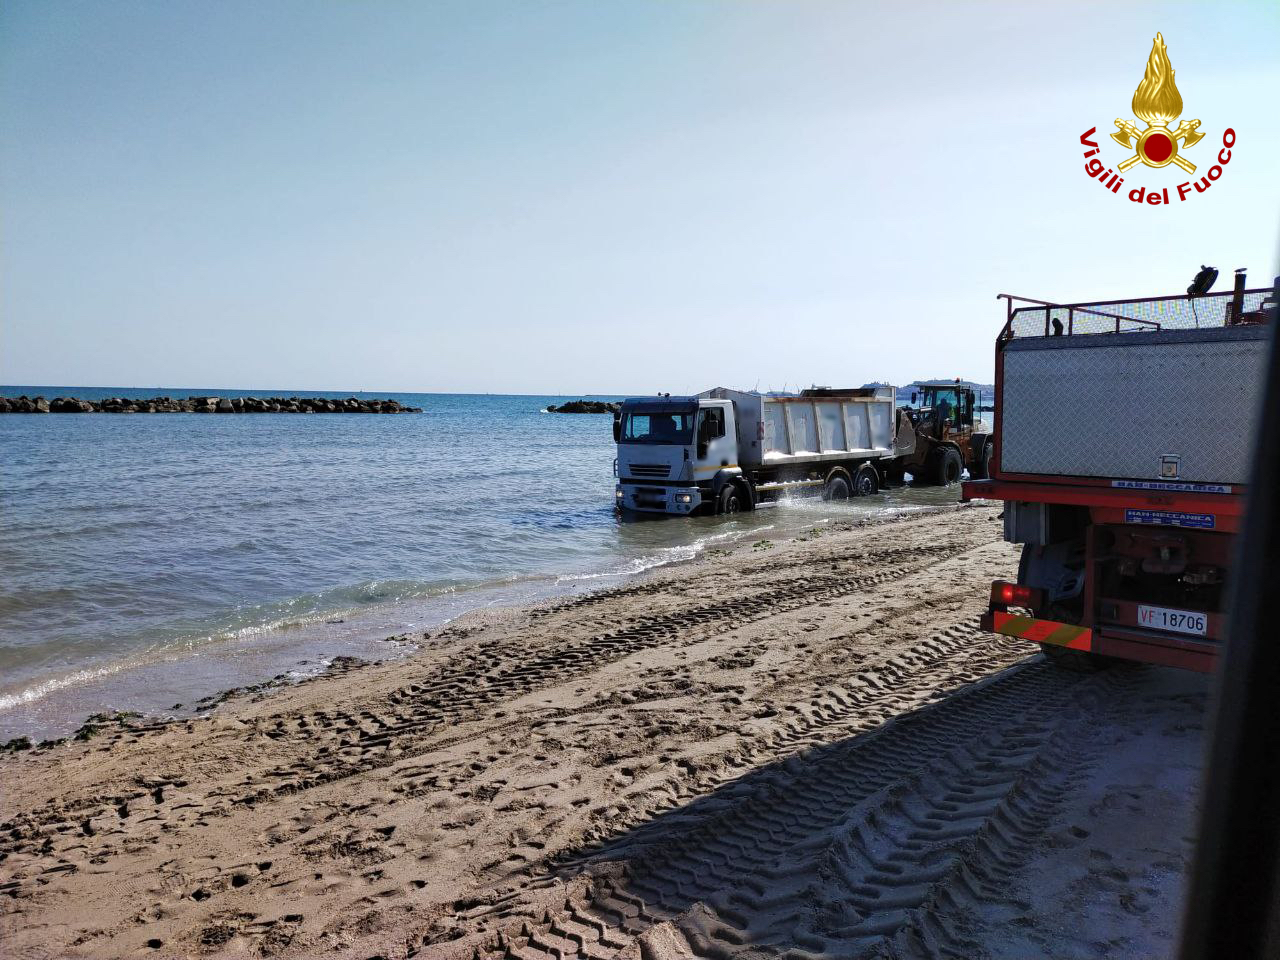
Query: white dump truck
(723, 451)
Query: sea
(152, 560)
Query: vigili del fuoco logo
(1157, 103)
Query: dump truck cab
(675, 453)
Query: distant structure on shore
(25, 404)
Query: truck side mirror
(913, 396)
(617, 427)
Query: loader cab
(943, 409)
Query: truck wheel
(837, 488)
(730, 499)
(948, 468)
(865, 481)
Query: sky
(588, 197)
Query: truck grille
(650, 469)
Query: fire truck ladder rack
(1029, 317)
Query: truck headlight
(617, 493)
(684, 498)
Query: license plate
(1174, 621)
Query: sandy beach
(801, 747)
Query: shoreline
(320, 646)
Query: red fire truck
(1123, 438)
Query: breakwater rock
(585, 406)
(25, 404)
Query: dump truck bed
(831, 425)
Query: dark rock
(165, 404)
(70, 405)
(584, 406)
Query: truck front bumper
(646, 498)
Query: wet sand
(801, 746)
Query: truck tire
(948, 466)
(838, 487)
(866, 481)
(730, 499)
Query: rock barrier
(585, 406)
(25, 404)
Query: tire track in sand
(882, 831)
(337, 745)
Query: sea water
(150, 560)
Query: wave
(665, 556)
(53, 684)
(286, 617)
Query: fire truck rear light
(1014, 595)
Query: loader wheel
(948, 467)
(865, 481)
(981, 468)
(730, 499)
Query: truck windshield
(657, 426)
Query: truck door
(717, 439)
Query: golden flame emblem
(1158, 103)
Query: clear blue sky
(592, 196)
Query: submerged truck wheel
(730, 499)
(837, 487)
(866, 481)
